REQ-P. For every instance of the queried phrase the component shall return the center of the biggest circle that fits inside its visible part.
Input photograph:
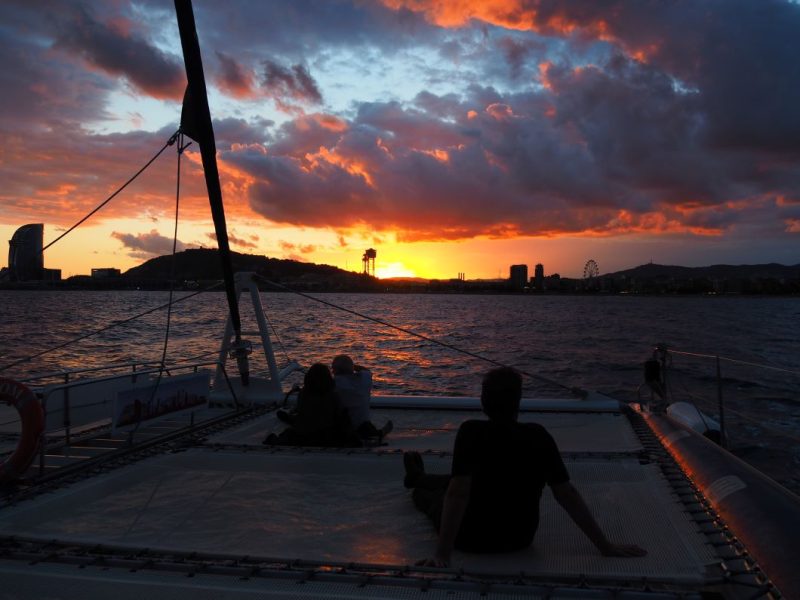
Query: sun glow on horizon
(394, 269)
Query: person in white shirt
(354, 387)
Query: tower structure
(25, 259)
(368, 261)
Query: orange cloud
(456, 13)
(627, 222)
(500, 111)
(440, 155)
(523, 15)
(354, 167)
(329, 122)
(511, 14)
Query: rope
(574, 390)
(162, 363)
(277, 337)
(181, 148)
(106, 328)
(169, 142)
(735, 360)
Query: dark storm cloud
(518, 52)
(305, 27)
(288, 85)
(115, 51)
(687, 121)
(233, 78)
(232, 131)
(42, 89)
(739, 55)
(610, 148)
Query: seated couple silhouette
(332, 409)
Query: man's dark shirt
(509, 463)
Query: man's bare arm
(571, 500)
(456, 500)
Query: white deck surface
(435, 430)
(339, 507)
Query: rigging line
(735, 360)
(181, 148)
(277, 337)
(106, 328)
(573, 390)
(168, 143)
(162, 363)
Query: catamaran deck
(327, 516)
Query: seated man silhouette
(490, 502)
(354, 387)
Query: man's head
(342, 365)
(500, 394)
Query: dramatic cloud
(739, 55)
(236, 240)
(607, 150)
(287, 86)
(291, 247)
(147, 245)
(423, 119)
(657, 135)
(115, 51)
(46, 176)
(233, 78)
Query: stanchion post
(66, 410)
(723, 440)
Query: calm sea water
(594, 342)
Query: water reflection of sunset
(381, 550)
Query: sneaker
(415, 467)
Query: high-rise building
(518, 276)
(538, 277)
(25, 259)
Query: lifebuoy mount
(31, 417)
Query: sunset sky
(452, 136)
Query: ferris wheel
(590, 269)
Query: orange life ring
(32, 417)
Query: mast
(196, 123)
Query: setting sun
(395, 269)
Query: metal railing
(66, 374)
(664, 356)
(134, 374)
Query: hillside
(204, 264)
(723, 272)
